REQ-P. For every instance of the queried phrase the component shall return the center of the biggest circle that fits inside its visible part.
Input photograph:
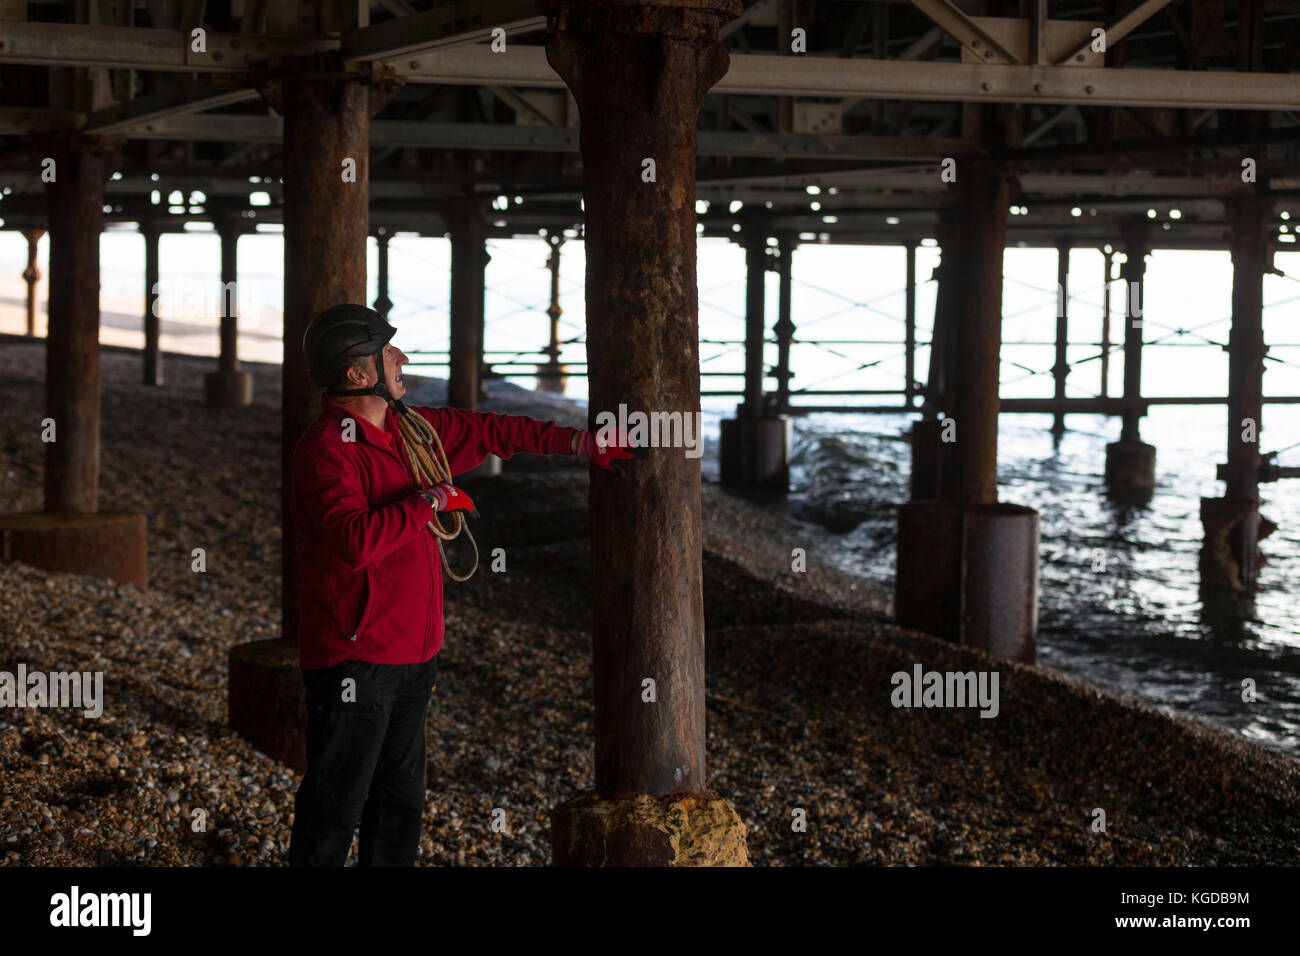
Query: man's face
(394, 359)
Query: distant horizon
(824, 305)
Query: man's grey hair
(362, 363)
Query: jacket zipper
(365, 608)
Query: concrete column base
(490, 468)
(1230, 524)
(755, 453)
(228, 389)
(969, 574)
(681, 830)
(106, 544)
(267, 701)
(1130, 467)
(552, 379)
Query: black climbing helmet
(340, 334)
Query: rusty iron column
(1131, 462)
(784, 328)
(1230, 559)
(755, 445)
(938, 383)
(72, 534)
(755, 243)
(639, 73)
(229, 386)
(465, 351)
(1105, 325)
(228, 358)
(383, 304)
(984, 195)
(1133, 274)
(1061, 367)
(326, 152)
(466, 372)
(480, 307)
(153, 373)
(32, 275)
(967, 563)
(76, 219)
(909, 327)
(552, 375)
(931, 465)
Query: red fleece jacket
(371, 578)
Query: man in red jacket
(371, 621)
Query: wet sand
(799, 668)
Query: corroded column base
(268, 702)
(1130, 467)
(1231, 525)
(552, 378)
(103, 544)
(681, 830)
(755, 453)
(223, 389)
(969, 574)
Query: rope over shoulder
(427, 462)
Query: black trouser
(366, 759)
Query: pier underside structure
(636, 127)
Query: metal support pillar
(968, 564)
(909, 328)
(326, 114)
(1108, 258)
(467, 265)
(984, 198)
(1230, 559)
(1131, 462)
(228, 359)
(480, 308)
(755, 241)
(552, 376)
(938, 383)
(228, 386)
(1133, 275)
(1251, 259)
(1061, 368)
(76, 218)
(639, 74)
(931, 465)
(383, 304)
(153, 373)
(32, 275)
(755, 445)
(72, 535)
(784, 323)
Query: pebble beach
(799, 669)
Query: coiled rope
(427, 462)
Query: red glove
(445, 497)
(604, 456)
